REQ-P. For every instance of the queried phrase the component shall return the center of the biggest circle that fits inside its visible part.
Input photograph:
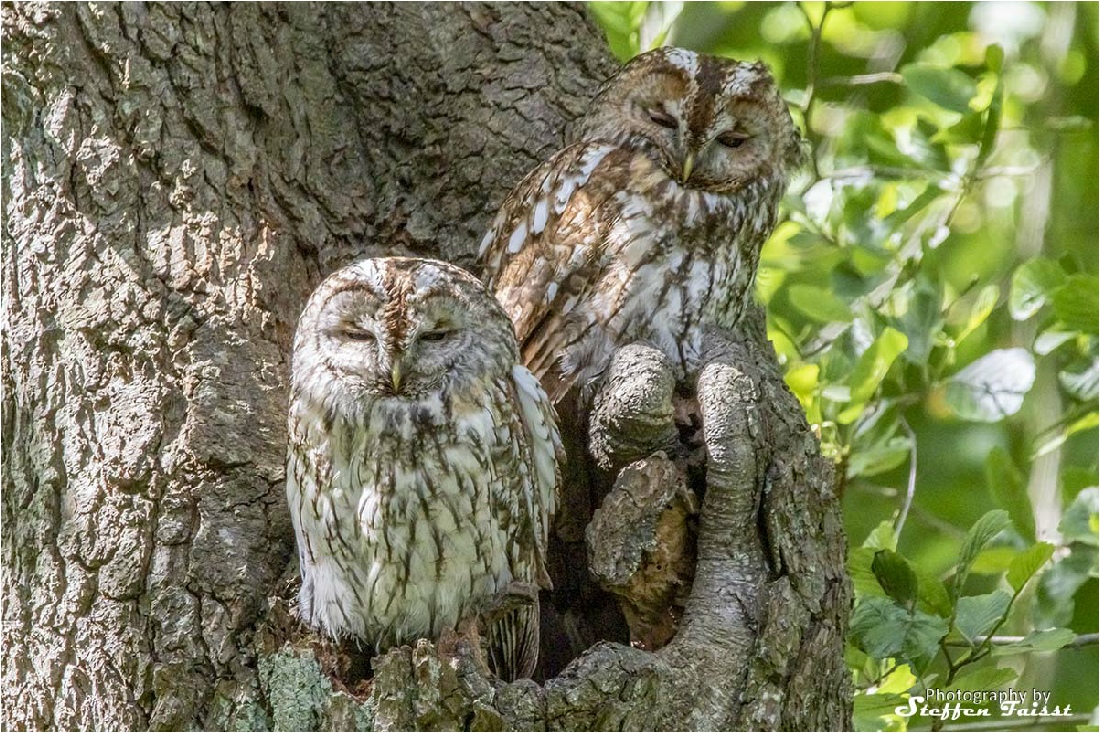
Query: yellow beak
(689, 164)
(396, 375)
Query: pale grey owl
(422, 468)
(651, 224)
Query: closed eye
(357, 334)
(732, 139)
(436, 335)
(662, 119)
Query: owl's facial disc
(697, 148)
(418, 359)
(399, 334)
(713, 124)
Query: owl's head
(400, 329)
(712, 123)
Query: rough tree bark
(177, 178)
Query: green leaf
(879, 458)
(968, 130)
(926, 147)
(1033, 283)
(924, 201)
(869, 710)
(875, 446)
(1076, 305)
(864, 581)
(922, 320)
(864, 139)
(882, 537)
(883, 150)
(979, 312)
(1050, 340)
(1027, 563)
(994, 560)
(621, 22)
(1059, 585)
(1070, 122)
(994, 58)
(895, 576)
(987, 678)
(993, 387)
(977, 615)
(899, 681)
(994, 61)
(1079, 479)
(988, 526)
(837, 393)
(932, 594)
(883, 629)
(1080, 518)
(1086, 422)
(1083, 385)
(875, 362)
(1049, 640)
(819, 304)
(802, 379)
(946, 87)
(1009, 489)
(850, 413)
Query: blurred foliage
(932, 295)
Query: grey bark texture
(176, 180)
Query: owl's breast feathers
(599, 247)
(416, 514)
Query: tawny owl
(422, 468)
(651, 223)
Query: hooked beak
(396, 374)
(689, 164)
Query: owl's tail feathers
(513, 635)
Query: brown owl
(422, 467)
(651, 224)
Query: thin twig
(1078, 641)
(811, 80)
(940, 525)
(858, 80)
(911, 487)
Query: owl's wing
(527, 508)
(546, 453)
(546, 249)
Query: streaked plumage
(651, 223)
(422, 467)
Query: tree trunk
(177, 178)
